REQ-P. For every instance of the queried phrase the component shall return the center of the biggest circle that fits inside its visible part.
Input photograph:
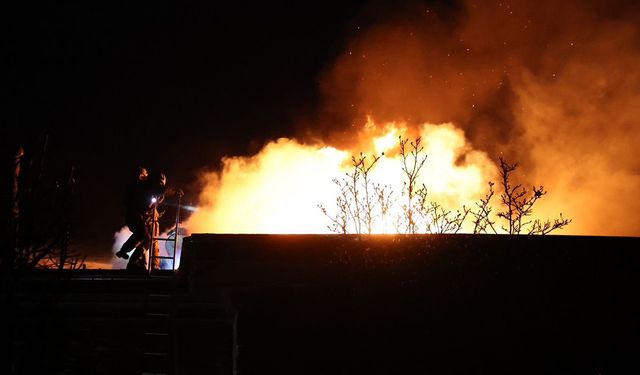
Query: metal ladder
(158, 340)
(154, 240)
(157, 335)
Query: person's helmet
(142, 173)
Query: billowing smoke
(553, 85)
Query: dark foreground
(312, 304)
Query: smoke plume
(552, 85)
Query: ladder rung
(162, 257)
(163, 239)
(158, 314)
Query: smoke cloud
(552, 85)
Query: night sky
(170, 87)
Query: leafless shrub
(383, 194)
(361, 202)
(434, 217)
(357, 199)
(518, 203)
(483, 214)
(339, 221)
(369, 199)
(40, 224)
(412, 163)
(444, 221)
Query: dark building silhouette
(319, 304)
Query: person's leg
(128, 245)
(138, 237)
(138, 261)
(135, 258)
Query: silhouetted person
(143, 196)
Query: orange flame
(278, 190)
(522, 79)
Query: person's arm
(171, 191)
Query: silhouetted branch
(340, 220)
(356, 200)
(483, 215)
(547, 227)
(383, 194)
(519, 202)
(369, 199)
(412, 163)
(444, 221)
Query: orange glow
(528, 84)
(278, 190)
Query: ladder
(157, 336)
(155, 237)
(158, 340)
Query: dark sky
(167, 86)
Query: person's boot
(122, 254)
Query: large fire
(552, 85)
(279, 189)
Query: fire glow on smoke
(552, 85)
